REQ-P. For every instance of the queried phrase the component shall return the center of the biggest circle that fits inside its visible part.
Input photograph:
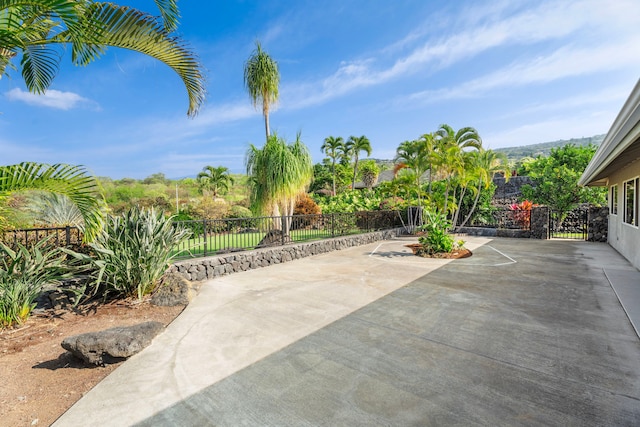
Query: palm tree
(487, 164)
(449, 153)
(416, 156)
(216, 180)
(355, 145)
(262, 79)
(331, 147)
(466, 137)
(344, 155)
(278, 174)
(67, 180)
(41, 29)
(426, 144)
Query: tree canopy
(279, 172)
(556, 178)
(215, 180)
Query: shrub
(436, 239)
(238, 211)
(522, 213)
(23, 274)
(242, 218)
(305, 205)
(134, 250)
(207, 208)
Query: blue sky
(520, 72)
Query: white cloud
(610, 95)
(485, 31)
(51, 98)
(564, 62)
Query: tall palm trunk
(265, 109)
(457, 213)
(355, 173)
(333, 172)
(473, 208)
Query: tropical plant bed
(40, 380)
(418, 250)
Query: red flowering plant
(522, 213)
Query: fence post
(204, 235)
(67, 231)
(333, 221)
(283, 225)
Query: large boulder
(274, 238)
(174, 289)
(112, 345)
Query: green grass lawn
(562, 235)
(195, 246)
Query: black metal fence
(568, 224)
(500, 218)
(237, 234)
(59, 236)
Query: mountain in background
(544, 149)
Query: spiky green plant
(279, 173)
(134, 250)
(55, 210)
(24, 272)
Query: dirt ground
(39, 380)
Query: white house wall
(625, 238)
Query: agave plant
(134, 250)
(24, 273)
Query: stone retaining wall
(221, 265)
(494, 232)
(597, 224)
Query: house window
(613, 200)
(630, 202)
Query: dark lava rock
(112, 345)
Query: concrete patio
(525, 332)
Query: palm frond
(68, 180)
(39, 67)
(32, 26)
(170, 14)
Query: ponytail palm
(71, 181)
(39, 29)
(278, 174)
(262, 79)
